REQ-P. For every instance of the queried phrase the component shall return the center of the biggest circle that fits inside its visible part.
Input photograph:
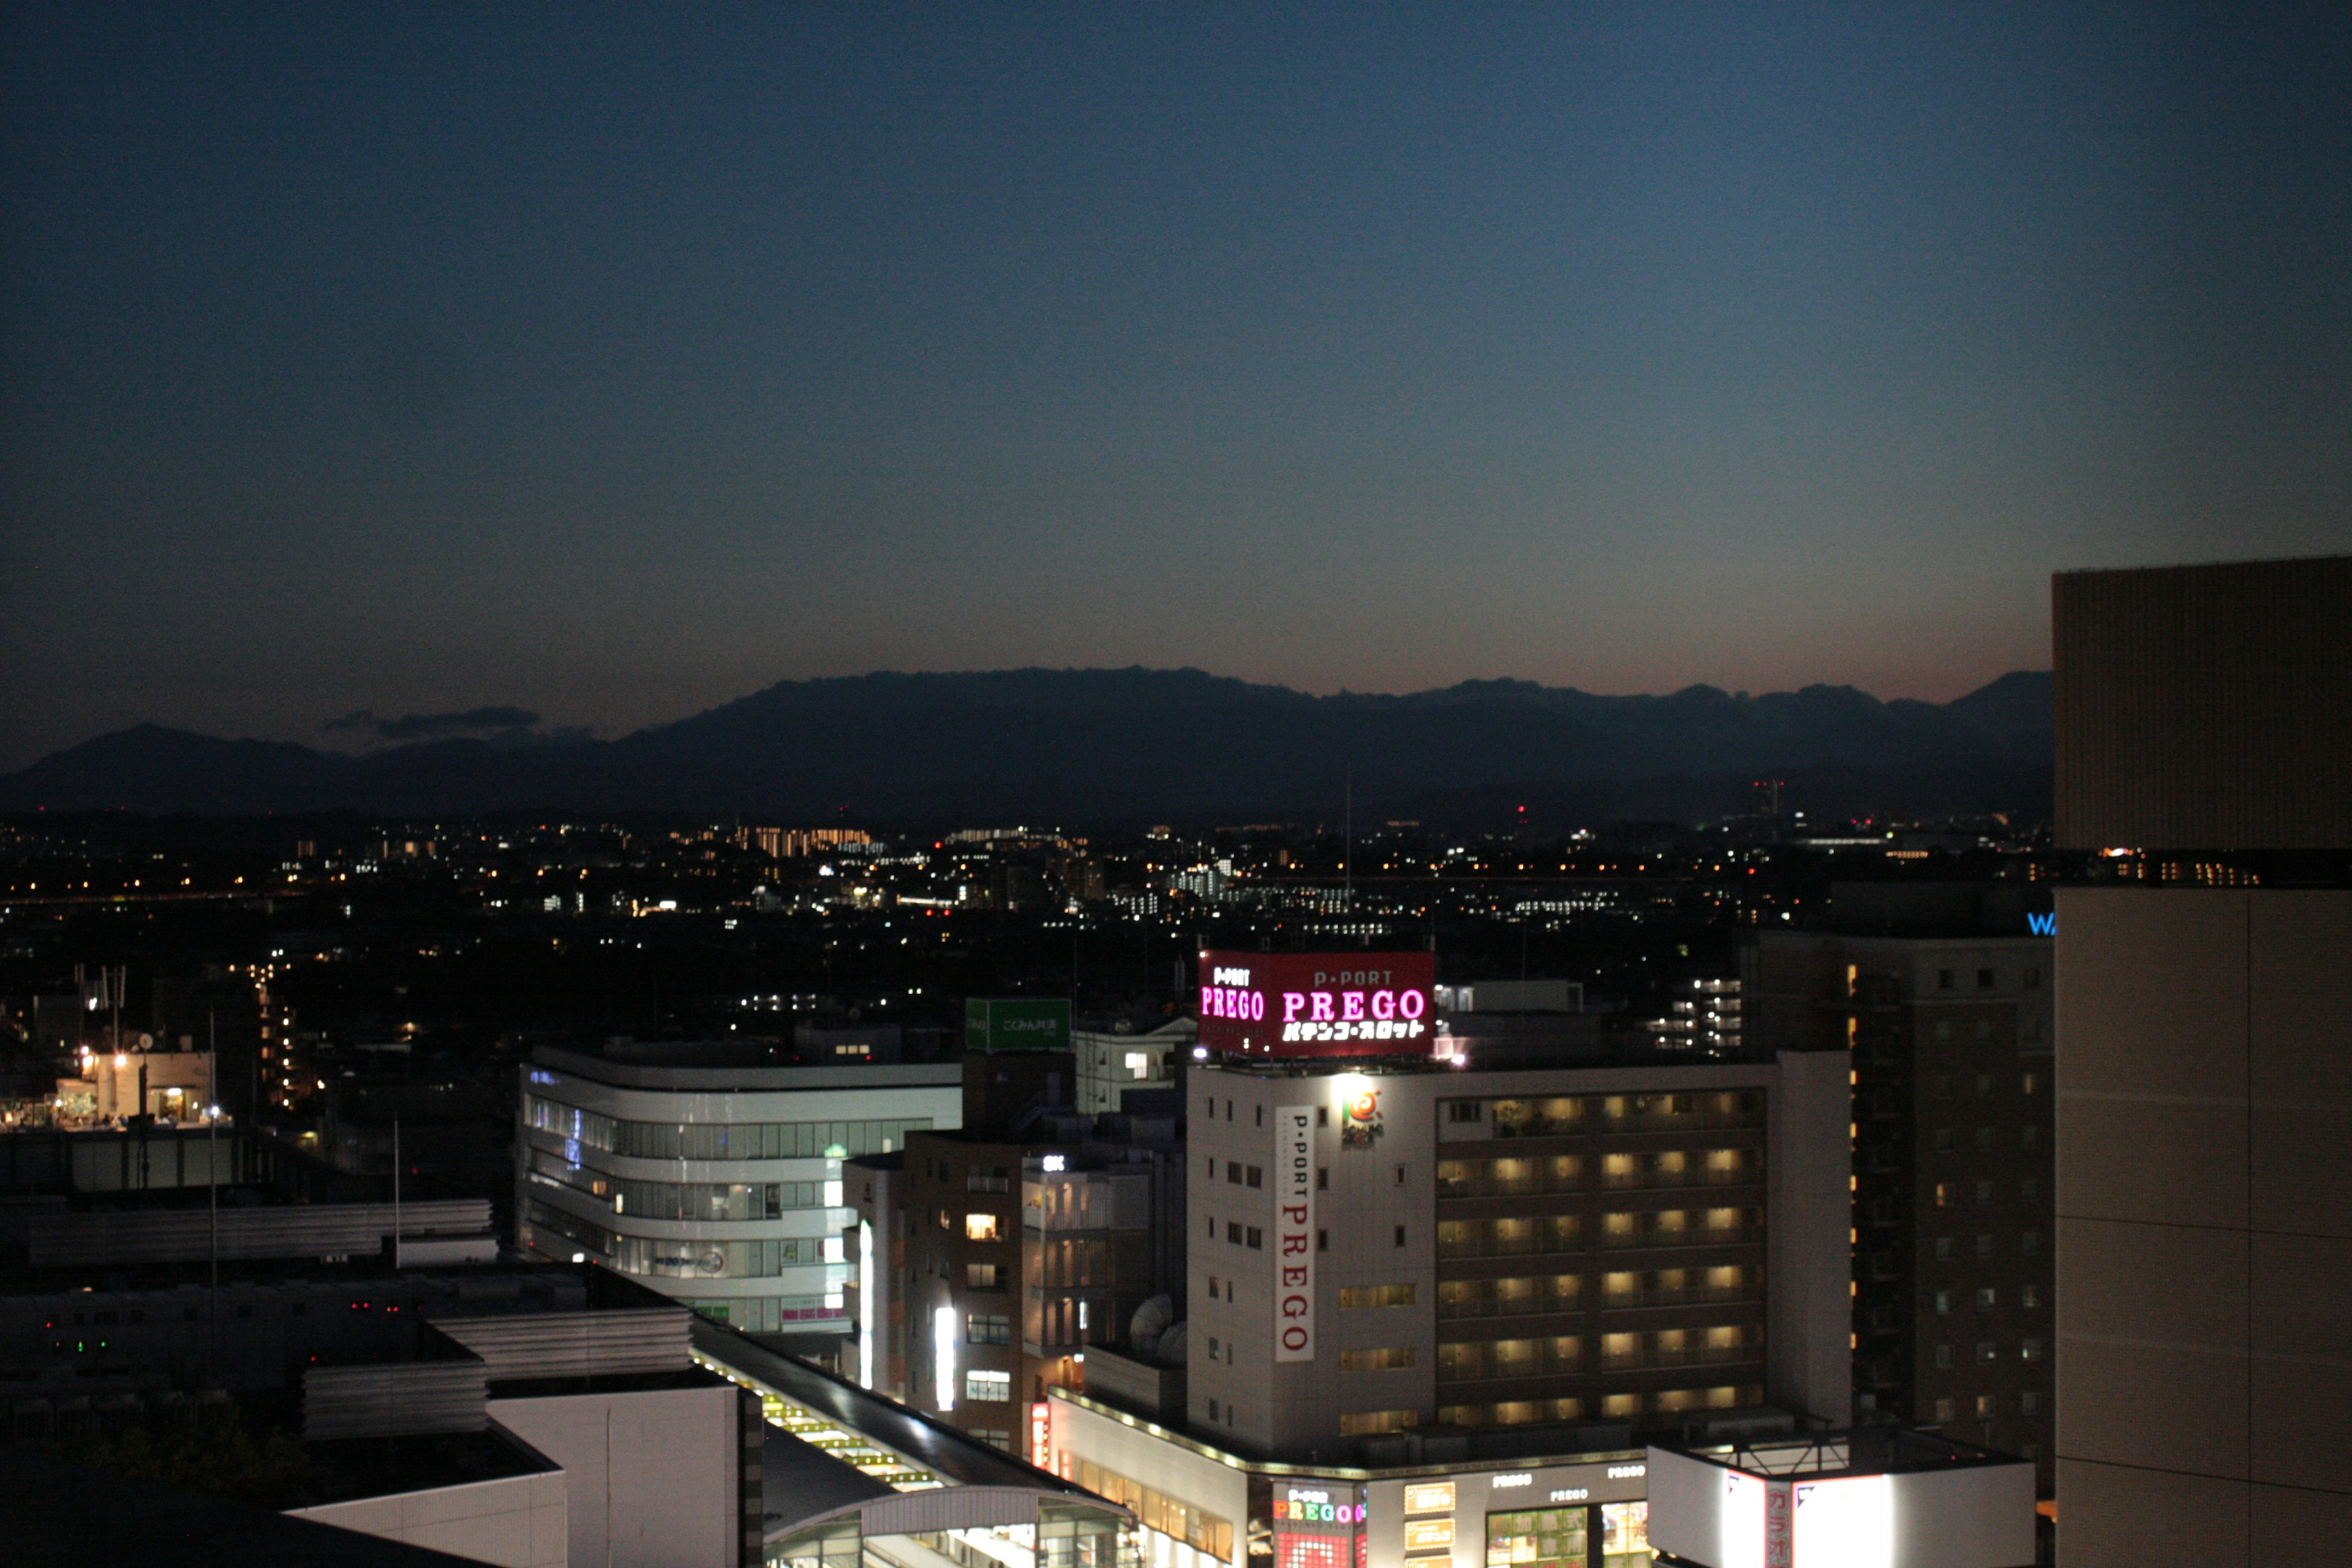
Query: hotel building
(1430, 1305)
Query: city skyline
(420, 360)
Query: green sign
(1016, 1024)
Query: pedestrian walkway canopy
(855, 1480)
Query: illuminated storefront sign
(1317, 1004)
(1847, 1523)
(943, 1358)
(1428, 1534)
(1429, 1497)
(870, 1289)
(1041, 1435)
(1293, 1233)
(1310, 1505)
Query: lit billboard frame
(1318, 1003)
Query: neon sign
(1293, 1233)
(1303, 1004)
(1305, 1506)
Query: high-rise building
(1947, 1039)
(713, 1178)
(2204, 1062)
(1497, 1248)
(1440, 1282)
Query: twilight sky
(615, 362)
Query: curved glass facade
(722, 1189)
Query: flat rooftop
(728, 1066)
(1863, 1451)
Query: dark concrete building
(1948, 1041)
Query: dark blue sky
(614, 362)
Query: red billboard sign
(1317, 1004)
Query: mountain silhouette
(1094, 744)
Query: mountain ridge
(1079, 744)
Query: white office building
(717, 1183)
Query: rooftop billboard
(1317, 1004)
(1016, 1024)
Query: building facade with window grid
(718, 1185)
(1008, 1258)
(1497, 1248)
(1950, 1040)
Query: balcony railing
(1485, 1298)
(1472, 1363)
(1696, 1176)
(1702, 1355)
(1681, 1296)
(1696, 1235)
(1490, 1238)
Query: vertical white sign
(1293, 1233)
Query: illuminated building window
(1372, 1423)
(1625, 1536)
(982, 1227)
(994, 1387)
(1541, 1537)
(1353, 1296)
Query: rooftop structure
(1878, 1498)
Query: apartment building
(1948, 1043)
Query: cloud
(425, 726)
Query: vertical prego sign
(1293, 1233)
